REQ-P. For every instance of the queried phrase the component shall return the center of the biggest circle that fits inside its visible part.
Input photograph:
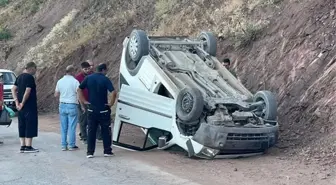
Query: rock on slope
(285, 46)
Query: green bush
(35, 6)
(5, 34)
(3, 3)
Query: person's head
(226, 63)
(91, 65)
(102, 68)
(85, 67)
(31, 68)
(70, 70)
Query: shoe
(22, 149)
(30, 149)
(73, 148)
(1, 143)
(89, 156)
(64, 148)
(109, 154)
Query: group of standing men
(82, 98)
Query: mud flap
(191, 151)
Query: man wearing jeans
(99, 110)
(66, 91)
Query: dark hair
(101, 67)
(226, 60)
(85, 64)
(30, 65)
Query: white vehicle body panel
(148, 110)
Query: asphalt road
(53, 166)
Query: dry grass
(164, 7)
(16, 11)
(69, 35)
(50, 49)
(230, 20)
(30, 7)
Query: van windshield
(8, 78)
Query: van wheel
(138, 45)
(269, 108)
(189, 104)
(210, 42)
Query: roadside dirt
(272, 168)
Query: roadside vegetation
(4, 34)
(3, 3)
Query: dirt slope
(286, 46)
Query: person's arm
(113, 92)
(14, 93)
(82, 86)
(57, 91)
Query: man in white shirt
(66, 92)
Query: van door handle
(124, 117)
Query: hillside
(286, 46)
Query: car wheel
(210, 42)
(189, 104)
(269, 108)
(138, 45)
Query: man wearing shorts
(24, 93)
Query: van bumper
(221, 140)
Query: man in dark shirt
(99, 135)
(99, 110)
(87, 69)
(24, 93)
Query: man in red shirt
(86, 70)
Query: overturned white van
(176, 92)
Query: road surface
(53, 166)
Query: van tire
(270, 104)
(138, 45)
(189, 104)
(211, 42)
